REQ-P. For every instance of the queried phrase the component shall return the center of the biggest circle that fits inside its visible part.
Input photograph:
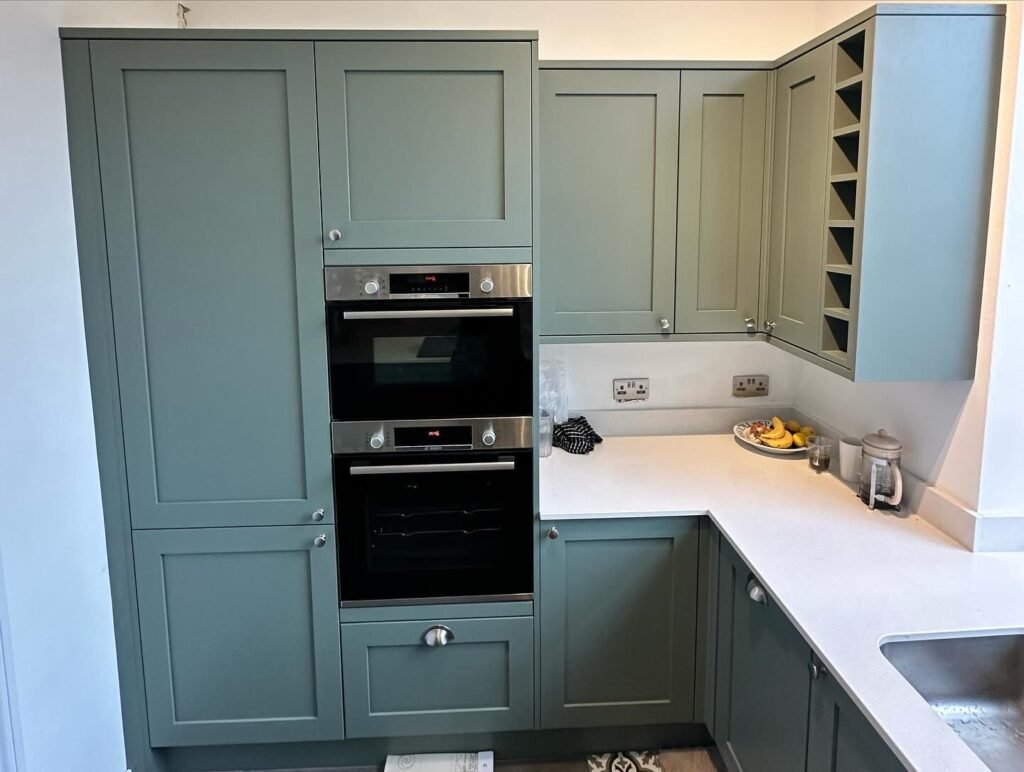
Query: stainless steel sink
(976, 684)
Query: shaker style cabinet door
(425, 144)
(796, 244)
(608, 151)
(618, 621)
(721, 191)
(240, 634)
(763, 677)
(211, 205)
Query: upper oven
(430, 341)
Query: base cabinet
(618, 621)
(239, 634)
(440, 676)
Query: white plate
(743, 427)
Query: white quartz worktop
(847, 577)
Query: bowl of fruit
(782, 438)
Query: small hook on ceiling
(183, 16)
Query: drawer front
(481, 680)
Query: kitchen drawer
(480, 681)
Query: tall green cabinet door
(240, 634)
(840, 738)
(721, 193)
(763, 676)
(799, 171)
(618, 607)
(608, 153)
(425, 144)
(211, 205)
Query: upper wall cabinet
(797, 203)
(721, 180)
(608, 152)
(425, 144)
(216, 279)
(893, 292)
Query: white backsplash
(683, 374)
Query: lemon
(800, 439)
(808, 430)
(792, 426)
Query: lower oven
(437, 525)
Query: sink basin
(976, 684)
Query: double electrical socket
(750, 385)
(631, 389)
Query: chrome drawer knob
(320, 540)
(318, 515)
(756, 592)
(817, 671)
(552, 533)
(334, 234)
(769, 327)
(665, 325)
(438, 635)
(751, 324)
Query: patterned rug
(629, 761)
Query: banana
(778, 430)
(786, 441)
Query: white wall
(57, 632)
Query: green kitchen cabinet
(618, 621)
(722, 115)
(240, 634)
(210, 189)
(608, 155)
(441, 675)
(763, 679)
(425, 144)
(799, 167)
(840, 738)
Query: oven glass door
(433, 359)
(434, 525)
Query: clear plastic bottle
(545, 434)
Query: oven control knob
(371, 287)
(377, 439)
(487, 285)
(488, 437)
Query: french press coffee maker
(881, 484)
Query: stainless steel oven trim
(510, 433)
(469, 466)
(507, 280)
(431, 313)
(436, 600)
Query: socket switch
(750, 385)
(631, 389)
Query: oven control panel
(428, 282)
(426, 435)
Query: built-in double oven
(431, 374)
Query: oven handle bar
(431, 313)
(474, 466)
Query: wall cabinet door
(211, 201)
(608, 152)
(840, 739)
(763, 678)
(425, 144)
(240, 634)
(618, 621)
(721, 192)
(480, 680)
(800, 166)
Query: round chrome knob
(318, 515)
(552, 533)
(769, 327)
(377, 440)
(371, 287)
(320, 540)
(756, 592)
(488, 437)
(438, 635)
(751, 323)
(487, 285)
(665, 325)
(334, 234)
(817, 670)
